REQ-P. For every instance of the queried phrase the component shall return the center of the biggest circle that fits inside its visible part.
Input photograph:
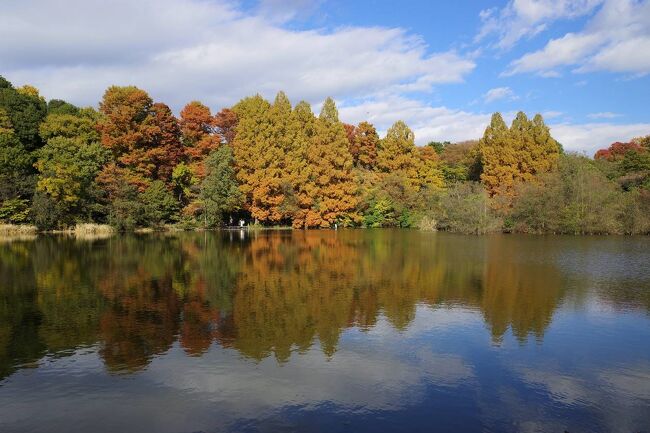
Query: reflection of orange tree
(522, 296)
(198, 323)
(141, 322)
(266, 295)
(295, 287)
(307, 285)
(143, 311)
(313, 284)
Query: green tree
(465, 208)
(81, 125)
(577, 199)
(183, 180)
(398, 155)
(26, 109)
(67, 170)
(438, 146)
(159, 204)
(461, 162)
(219, 190)
(14, 211)
(58, 106)
(16, 178)
(68, 165)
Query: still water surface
(322, 331)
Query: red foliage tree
(618, 150)
(166, 151)
(225, 122)
(199, 135)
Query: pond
(325, 331)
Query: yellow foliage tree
(514, 155)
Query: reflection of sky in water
(443, 368)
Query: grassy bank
(17, 229)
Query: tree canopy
(133, 162)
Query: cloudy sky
(443, 67)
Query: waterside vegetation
(132, 164)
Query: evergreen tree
(159, 205)
(26, 109)
(16, 179)
(219, 190)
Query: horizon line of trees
(133, 163)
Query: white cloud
(210, 51)
(427, 122)
(603, 115)
(557, 52)
(286, 10)
(552, 114)
(499, 93)
(526, 18)
(590, 137)
(617, 39)
(431, 123)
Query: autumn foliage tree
(199, 135)
(255, 156)
(225, 122)
(133, 163)
(127, 129)
(517, 154)
(330, 171)
(364, 145)
(166, 150)
(398, 155)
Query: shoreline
(91, 230)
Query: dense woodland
(132, 163)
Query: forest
(132, 163)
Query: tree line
(132, 163)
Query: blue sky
(443, 67)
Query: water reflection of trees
(268, 294)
